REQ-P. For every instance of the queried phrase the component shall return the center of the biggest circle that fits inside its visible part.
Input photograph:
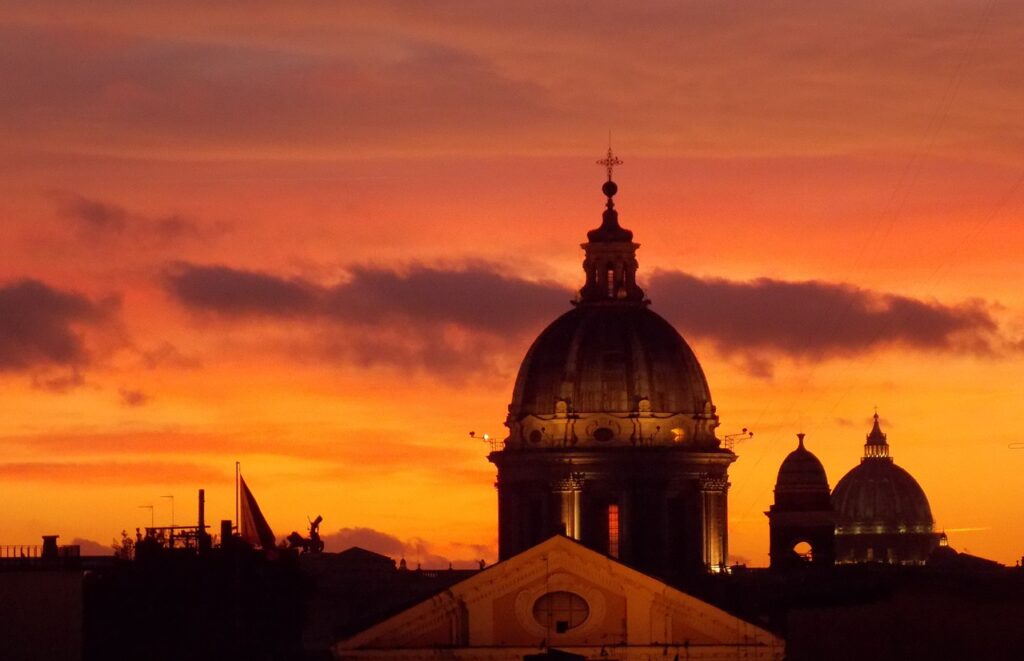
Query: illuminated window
(613, 530)
(611, 283)
(560, 611)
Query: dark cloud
(60, 382)
(474, 297)
(818, 320)
(176, 226)
(449, 321)
(166, 354)
(414, 550)
(40, 326)
(455, 320)
(133, 398)
(104, 220)
(233, 292)
(93, 214)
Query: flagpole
(238, 523)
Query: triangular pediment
(562, 594)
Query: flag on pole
(253, 527)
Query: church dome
(880, 493)
(802, 483)
(879, 496)
(801, 469)
(610, 371)
(609, 358)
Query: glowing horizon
(320, 240)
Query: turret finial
(877, 444)
(610, 262)
(610, 188)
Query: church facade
(562, 600)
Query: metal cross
(609, 162)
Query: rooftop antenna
(238, 465)
(152, 523)
(729, 441)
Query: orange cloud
(106, 473)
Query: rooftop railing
(35, 551)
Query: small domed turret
(802, 483)
(802, 513)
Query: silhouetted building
(883, 514)
(611, 429)
(41, 601)
(570, 602)
(802, 513)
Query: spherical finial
(609, 188)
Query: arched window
(804, 551)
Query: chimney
(225, 533)
(202, 537)
(50, 547)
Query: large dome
(609, 358)
(610, 371)
(879, 496)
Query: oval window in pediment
(561, 611)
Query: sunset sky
(318, 238)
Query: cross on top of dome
(611, 254)
(610, 161)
